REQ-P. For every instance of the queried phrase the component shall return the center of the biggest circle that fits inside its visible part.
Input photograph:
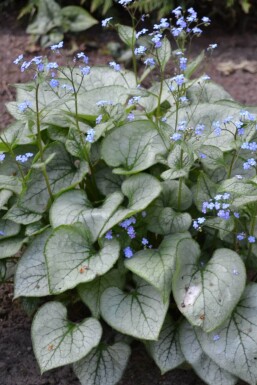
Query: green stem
(134, 59)
(180, 192)
(40, 146)
(252, 227)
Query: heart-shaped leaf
(207, 293)
(233, 345)
(31, 275)
(10, 246)
(62, 174)
(132, 147)
(157, 266)
(167, 221)
(57, 341)
(139, 313)
(166, 352)
(91, 292)
(71, 258)
(141, 190)
(73, 206)
(22, 215)
(103, 365)
(204, 366)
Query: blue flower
(251, 239)
(142, 32)
(2, 157)
(54, 83)
(23, 106)
(140, 50)
(85, 70)
(127, 222)
(82, 56)
(128, 253)
(181, 22)
(130, 117)
(241, 236)
(176, 31)
(145, 241)
(176, 137)
(124, 2)
(18, 59)
(52, 65)
(134, 100)
(109, 235)
(207, 21)
(212, 47)
(99, 119)
(90, 135)
(115, 66)
(179, 79)
(150, 62)
(131, 232)
(106, 21)
(177, 11)
(183, 63)
(56, 47)
(23, 158)
(217, 128)
(216, 337)
(199, 129)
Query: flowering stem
(39, 140)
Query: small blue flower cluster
(24, 106)
(244, 117)
(2, 157)
(23, 158)
(184, 130)
(219, 203)
(128, 226)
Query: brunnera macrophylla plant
(138, 202)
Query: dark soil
(17, 363)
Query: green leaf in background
(132, 147)
(8, 228)
(203, 365)
(107, 182)
(71, 258)
(157, 266)
(179, 162)
(164, 53)
(22, 215)
(74, 206)
(167, 221)
(166, 352)
(57, 341)
(139, 313)
(103, 365)
(204, 190)
(10, 246)
(62, 174)
(127, 35)
(31, 275)
(242, 191)
(141, 190)
(206, 293)
(5, 195)
(78, 18)
(233, 345)
(11, 183)
(91, 292)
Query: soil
(17, 363)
